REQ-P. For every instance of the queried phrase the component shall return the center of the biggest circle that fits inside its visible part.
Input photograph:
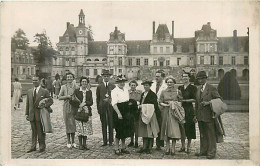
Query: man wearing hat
(104, 107)
(205, 94)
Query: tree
(44, 53)
(90, 33)
(19, 40)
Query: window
(212, 47)
(146, 62)
(202, 60)
(88, 59)
(87, 72)
(67, 48)
(96, 60)
(72, 48)
(119, 49)
(245, 60)
(23, 70)
(233, 60)
(61, 49)
(32, 71)
(130, 61)
(220, 60)
(155, 49)
(191, 61)
(202, 48)
(212, 60)
(161, 49)
(138, 62)
(155, 62)
(167, 62)
(168, 49)
(95, 72)
(111, 50)
(112, 71)
(178, 61)
(104, 59)
(28, 71)
(120, 70)
(120, 61)
(73, 59)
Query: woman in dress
(135, 95)
(188, 129)
(17, 93)
(170, 129)
(121, 117)
(57, 86)
(148, 124)
(66, 94)
(84, 128)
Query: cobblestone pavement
(235, 146)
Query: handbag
(82, 114)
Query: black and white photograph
(124, 82)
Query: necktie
(157, 87)
(201, 90)
(34, 95)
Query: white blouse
(119, 95)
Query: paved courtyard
(235, 146)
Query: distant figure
(17, 93)
(228, 87)
(49, 86)
(57, 86)
(99, 79)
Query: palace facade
(81, 55)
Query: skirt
(84, 128)
(124, 127)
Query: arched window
(72, 48)
(88, 59)
(96, 60)
(61, 49)
(104, 59)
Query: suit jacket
(89, 99)
(151, 98)
(32, 109)
(100, 96)
(205, 113)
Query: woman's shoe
(69, 146)
(172, 153)
(117, 152)
(167, 152)
(188, 151)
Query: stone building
(142, 58)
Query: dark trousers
(37, 132)
(106, 118)
(207, 138)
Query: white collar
(80, 89)
(203, 86)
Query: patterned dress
(170, 126)
(68, 113)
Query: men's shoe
(200, 154)
(31, 150)
(74, 145)
(210, 157)
(131, 144)
(42, 150)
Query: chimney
(208, 23)
(68, 23)
(172, 29)
(235, 33)
(153, 27)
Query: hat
(201, 74)
(121, 78)
(106, 72)
(146, 81)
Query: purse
(83, 114)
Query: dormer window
(88, 59)
(96, 60)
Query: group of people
(156, 114)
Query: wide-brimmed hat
(146, 81)
(201, 74)
(106, 72)
(121, 78)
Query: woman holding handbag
(170, 129)
(83, 115)
(66, 93)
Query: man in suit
(104, 107)
(204, 115)
(157, 89)
(34, 96)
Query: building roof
(184, 43)
(161, 31)
(97, 47)
(70, 32)
(138, 47)
(81, 13)
(238, 44)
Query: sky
(132, 18)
